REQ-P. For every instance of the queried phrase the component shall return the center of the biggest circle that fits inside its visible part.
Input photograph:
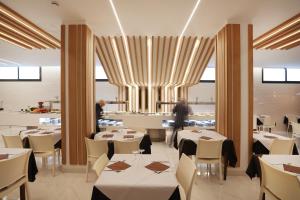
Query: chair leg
(54, 163)
(87, 170)
(59, 164)
(261, 194)
(27, 191)
(220, 171)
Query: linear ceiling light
(15, 41)
(288, 44)
(24, 35)
(281, 39)
(24, 23)
(179, 44)
(149, 48)
(277, 31)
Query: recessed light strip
(277, 31)
(288, 44)
(24, 23)
(149, 46)
(24, 35)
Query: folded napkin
(157, 167)
(131, 131)
(291, 168)
(270, 136)
(107, 135)
(205, 138)
(196, 131)
(118, 166)
(128, 136)
(114, 130)
(3, 156)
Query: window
(100, 73)
(8, 73)
(281, 75)
(293, 74)
(209, 75)
(273, 75)
(24, 73)
(29, 73)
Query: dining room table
(262, 141)
(187, 141)
(124, 134)
(137, 177)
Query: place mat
(157, 167)
(118, 166)
(196, 131)
(205, 138)
(131, 132)
(270, 136)
(107, 135)
(3, 156)
(128, 136)
(291, 168)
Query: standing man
(181, 111)
(99, 113)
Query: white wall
(275, 99)
(20, 94)
(205, 92)
(108, 92)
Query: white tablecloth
(56, 132)
(188, 134)
(12, 152)
(119, 136)
(279, 160)
(138, 182)
(267, 141)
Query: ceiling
(152, 18)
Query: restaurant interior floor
(72, 186)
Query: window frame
(24, 80)
(278, 82)
(208, 81)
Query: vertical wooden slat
(250, 89)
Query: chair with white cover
(282, 146)
(13, 173)
(43, 146)
(100, 164)
(185, 174)
(278, 184)
(210, 152)
(268, 123)
(94, 149)
(126, 147)
(12, 141)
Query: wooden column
(77, 91)
(228, 84)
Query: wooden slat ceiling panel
(162, 57)
(284, 36)
(20, 30)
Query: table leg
(22, 192)
(225, 167)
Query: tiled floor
(72, 186)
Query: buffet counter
(151, 121)
(14, 118)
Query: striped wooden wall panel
(78, 91)
(228, 84)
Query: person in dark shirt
(181, 111)
(99, 113)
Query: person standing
(181, 111)
(99, 113)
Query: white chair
(280, 146)
(168, 137)
(94, 149)
(185, 175)
(210, 152)
(278, 184)
(126, 147)
(268, 123)
(100, 164)
(295, 127)
(43, 146)
(12, 141)
(13, 173)
(292, 118)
